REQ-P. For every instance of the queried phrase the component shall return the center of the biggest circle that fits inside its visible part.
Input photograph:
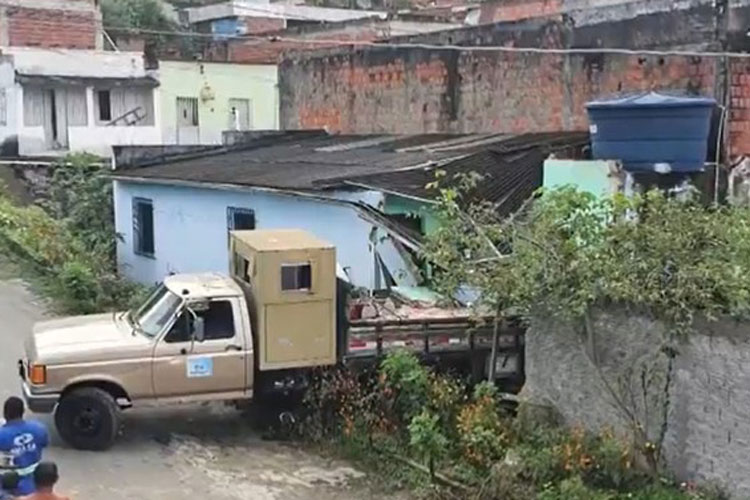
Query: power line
(462, 48)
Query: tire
(88, 419)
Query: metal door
(188, 121)
(212, 367)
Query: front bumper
(37, 402)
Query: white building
(56, 101)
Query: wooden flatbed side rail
(468, 320)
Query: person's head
(13, 409)
(9, 481)
(45, 475)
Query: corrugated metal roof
(399, 164)
(511, 170)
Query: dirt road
(200, 452)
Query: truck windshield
(151, 318)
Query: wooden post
(493, 356)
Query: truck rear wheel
(88, 419)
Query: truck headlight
(37, 374)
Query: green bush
(445, 397)
(68, 244)
(470, 439)
(483, 435)
(573, 489)
(427, 439)
(505, 482)
(406, 381)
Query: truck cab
(196, 337)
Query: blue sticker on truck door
(200, 366)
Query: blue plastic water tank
(652, 131)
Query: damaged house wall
(696, 404)
(204, 246)
(415, 90)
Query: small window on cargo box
(296, 277)
(241, 268)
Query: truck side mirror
(197, 328)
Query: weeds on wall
(67, 244)
(458, 442)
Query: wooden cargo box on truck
(292, 279)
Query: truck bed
(449, 339)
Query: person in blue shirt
(9, 486)
(21, 444)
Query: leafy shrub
(505, 482)
(69, 244)
(446, 396)
(573, 489)
(482, 433)
(427, 439)
(405, 381)
(500, 459)
(571, 250)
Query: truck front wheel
(88, 419)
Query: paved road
(201, 452)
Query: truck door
(203, 353)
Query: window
(187, 112)
(296, 277)
(239, 219)
(104, 100)
(3, 108)
(241, 268)
(151, 318)
(143, 226)
(217, 323)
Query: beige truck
(258, 332)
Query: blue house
(174, 206)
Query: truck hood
(98, 337)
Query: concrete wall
(706, 392)
(581, 12)
(598, 177)
(191, 228)
(9, 123)
(399, 205)
(99, 140)
(258, 83)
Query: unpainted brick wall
(414, 90)
(418, 90)
(254, 52)
(257, 25)
(51, 28)
(514, 10)
(739, 107)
